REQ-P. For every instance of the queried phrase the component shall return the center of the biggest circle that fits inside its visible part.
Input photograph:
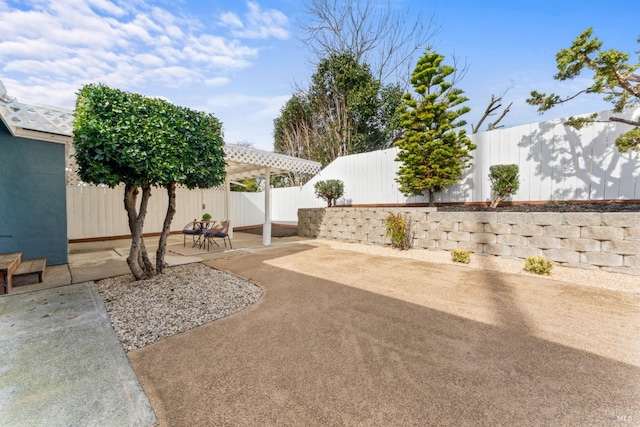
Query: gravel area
(585, 277)
(142, 312)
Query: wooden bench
(9, 262)
(31, 266)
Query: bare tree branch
(491, 107)
(625, 121)
(494, 105)
(374, 33)
(493, 125)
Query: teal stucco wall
(33, 207)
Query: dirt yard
(346, 338)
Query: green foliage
(343, 97)
(248, 186)
(460, 255)
(344, 111)
(206, 217)
(504, 182)
(398, 227)
(629, 141)
(329, 190)
(613, 76)
(538, 265)
(433, 152)
(293, 128)
(122, 137)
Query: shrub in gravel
(460, 255)
(538, 265)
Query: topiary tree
(121, 137)
(504, 182)
(329, 190)
(433, 153)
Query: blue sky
(240, 60)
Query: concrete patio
(61, 363)
(97, 260)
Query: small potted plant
(206, 217)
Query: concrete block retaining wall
(609, 241)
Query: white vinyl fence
(99, 212)
(556, 163)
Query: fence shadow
(573, 164)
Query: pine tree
(433, 150)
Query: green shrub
(504, 182)
(538, 265)
(329, 190)
(460, 255)
(398, 228)
(206, 217)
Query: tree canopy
(363, 50)
(293, 128)
(434, 151)
(126, 138)
(123, 137)
(344, 111)
(613, 76)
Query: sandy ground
(586, 277)
(342, 337)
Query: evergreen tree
(434, 152)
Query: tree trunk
(495, 201)
(162, 245)
(130, 196)
(144, 255)
(432, 198)
(138, 260)
(144, 259)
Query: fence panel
(556, 163)
(247, 208)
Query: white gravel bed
(142, 312)
(585, 277)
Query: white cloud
(261, 106)
(107, 7)
(59, 94)
(149, 60)
(51, 48)
(230, 19)
(171, 76)
(217, 81)
(260, 24)
(82, 39)
(26, 48)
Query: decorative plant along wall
(609, 241)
